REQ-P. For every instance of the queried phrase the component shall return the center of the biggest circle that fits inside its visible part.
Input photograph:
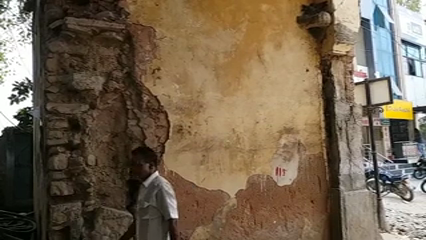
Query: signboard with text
(360, 73)
(399, 110)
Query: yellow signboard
(398, 110)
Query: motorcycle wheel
(419, 174)
(371, 185)
(405, 193)
(423, 186)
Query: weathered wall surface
(242, 88)
(229, 94)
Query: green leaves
(21, 91)
(413, 5)
(15, 31)
(25, 118)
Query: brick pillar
(94, 110)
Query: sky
(22, 67)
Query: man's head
(144, 163)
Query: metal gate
(16, 170)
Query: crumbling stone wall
(96, 111)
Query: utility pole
(372, 94)
(370, 111)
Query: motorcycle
(423, 186)
(389, 183)
(420, 171)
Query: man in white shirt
(155, 209)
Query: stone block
(91, 160)
(55, 134)
(56, 150)
(54, 13)
(111, 223)
(87, 81)
(90, 25)
(106, 15)
(58, 162)
(57, 175)
(112, 35)
(360, 222)
(58, 124)
(52, 65)
(56, 142)
(61, 188)
(67, 108)
(59, 46)
(62, 215)
(52, 79)
(56, 24)
(52, 89)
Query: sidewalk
(388, 236)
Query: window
(416, 28)
(379, 18)
(412, 59)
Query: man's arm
(173, 230)
(130, 232)
(167, 204)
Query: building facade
(243, 104)
(391, 43)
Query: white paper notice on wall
(285, 162)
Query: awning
(385, 14)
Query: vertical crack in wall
(333, 154)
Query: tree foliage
(25, 118)
(413, 5)
(15, 31)
(22, 91)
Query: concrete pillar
(352, 207)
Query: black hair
(146, 155)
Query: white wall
(415, 90)
(367, 8)
(409, 21)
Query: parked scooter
(423, 186)
(420, 171)
(389, 183)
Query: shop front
(401, 115)
(404, 149)
(381, 136)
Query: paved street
(407, 220)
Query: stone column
(95, 111)
(353, 214)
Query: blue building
(377, 56)
(379, 53)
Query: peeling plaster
(212, 231)
(285, 162)
(230, 84)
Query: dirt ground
(407, 220)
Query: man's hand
(130, 232)
(173, 230)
